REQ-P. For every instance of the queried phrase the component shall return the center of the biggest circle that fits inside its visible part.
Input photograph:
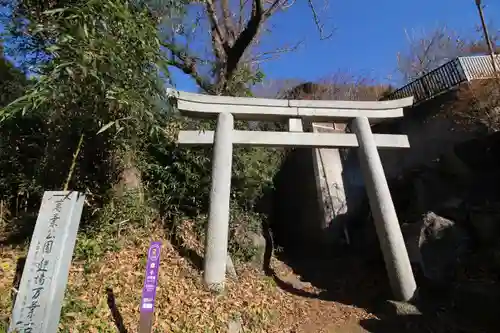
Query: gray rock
(235, 325)
(454, 208)
(258, 242)
(230, 269)
(452, 203)
(435, 244)
(411, 234)
(485, 226)
(454, 165)
(404, 308)
(129, 180)
(475, 304)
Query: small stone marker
(149, 289)
(38, 304)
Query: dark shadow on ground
(193, 258)
(355, 274)
(354, 278)
(115, 313)
(401, 323)
(21, 262)
(291, 231)
(463, 308)
(347, 277)
(19, 230)
(268, 250)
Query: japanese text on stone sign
(41, 268)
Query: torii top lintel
(249, 108)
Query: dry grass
(182, 305)
(477, 103)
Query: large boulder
(251, 245)
(435, 244)
(485, 225)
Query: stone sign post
(38, 303)
(296, 112)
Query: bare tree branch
(477, 102)
(428, 51)
(317, 21)
(235, 29)
(188, 65)
(228, 22)
(219, 45)
(244, 39)
(271, 55)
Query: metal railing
(479, 67)
(446, 77)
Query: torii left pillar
(218, 218)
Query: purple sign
(150, 280)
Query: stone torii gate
(356, 114)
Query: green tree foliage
(103, 80)
(13, 81)
(219, 43)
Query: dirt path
(339, 295)
(261, 302)
(308, 308)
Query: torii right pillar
(389, 233)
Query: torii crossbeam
(357, 114)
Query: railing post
(389, 233)
(218, 221)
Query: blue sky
(368, 36)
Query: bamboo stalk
(73, 163)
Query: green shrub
(102, 86)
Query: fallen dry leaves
(182, 304)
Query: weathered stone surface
(454, 165)
(404, 308)
(39, 300)
(435, 244)
(230, 269)
(131, 178)
(235, 326)
(478, 301)
(411, 233)
(258, 242)
(129, 181)
(485, 225)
